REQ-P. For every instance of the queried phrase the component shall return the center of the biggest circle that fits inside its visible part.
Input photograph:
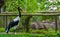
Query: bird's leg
(7, 29)
(15, 32)
(0, 9)
(15, 29)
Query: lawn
(21, 35)
(30, 35)
(33, 33)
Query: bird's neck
(19, 13)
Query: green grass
(30, 35)
(33, 33)
(21, 35)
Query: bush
(2, 29)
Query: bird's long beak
(22, 10)
(19, 8)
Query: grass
(30, 35)
(21, 35)
(33, 33)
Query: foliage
(2, 30)
(11, 5)
(31, 6)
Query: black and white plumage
(14, 22)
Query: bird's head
(19, 8)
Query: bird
(15, 21)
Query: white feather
(17, 18)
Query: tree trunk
(56, 24)
(27, 23)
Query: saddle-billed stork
(15, 21)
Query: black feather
(11, 24)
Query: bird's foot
(7, 31)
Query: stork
(15, 21)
